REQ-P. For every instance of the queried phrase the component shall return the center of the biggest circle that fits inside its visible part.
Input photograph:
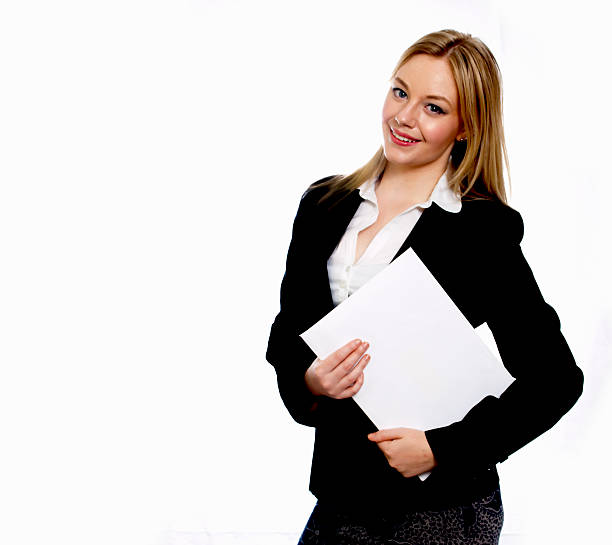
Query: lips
(398, 140)
(404, 135)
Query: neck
(414, 184)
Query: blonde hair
(476, 164)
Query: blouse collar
(442, 194)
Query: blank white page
(428, 366)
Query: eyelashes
(400, 90)
(437, 109)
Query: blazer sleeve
(287, 352)
(547, 381)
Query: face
(423, 97)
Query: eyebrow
(402, 82)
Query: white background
(152, 158)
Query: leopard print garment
(478, 523)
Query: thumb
(385, 435)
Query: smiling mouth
(402, 138)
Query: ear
(461, 135)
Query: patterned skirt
(476, 523)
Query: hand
(406, 450)
(335, 376)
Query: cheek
(388, 111)
(438, 132)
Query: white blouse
(346, 276)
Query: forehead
(428, 75)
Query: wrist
(309, 382)
(430, 454)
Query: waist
(351, 474)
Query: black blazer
(476, 257)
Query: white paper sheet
(428, 366)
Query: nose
(407, 115)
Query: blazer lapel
(334, 222)
(423, 230)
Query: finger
(352, 390)
(340, 355)
(344, 368)
(350, 379)
(348, 390)
(386, 435)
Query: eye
(404, 95)
(438, 110)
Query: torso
(367, 235)
(386, 212)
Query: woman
(435, 185)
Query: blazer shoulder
(309, 199)
(315, 189)
(314, 192)
(495, 220)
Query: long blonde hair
(476, 164)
